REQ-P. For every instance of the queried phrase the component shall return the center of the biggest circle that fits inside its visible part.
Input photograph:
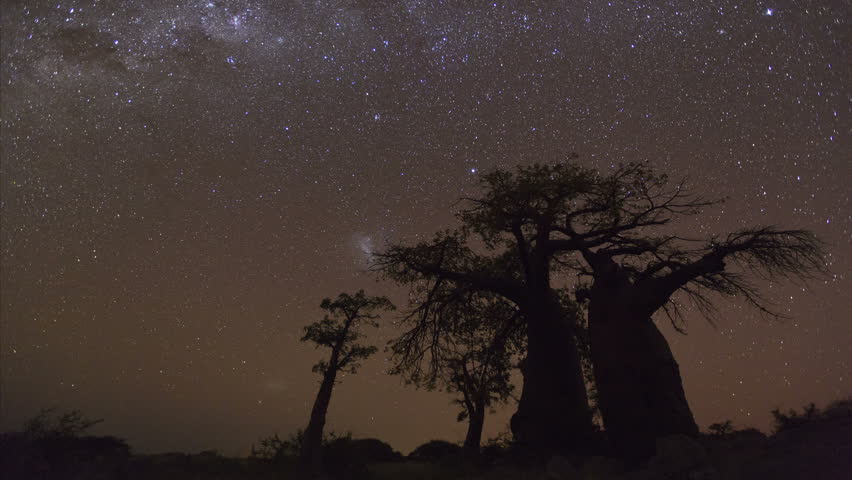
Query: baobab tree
(468, 346)
(339, 330)
(515, 262)
(615, 229)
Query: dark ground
(813, 446)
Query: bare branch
(765, 252)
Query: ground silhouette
(814, 444)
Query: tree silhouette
(469, 346)
(605, 226)
(516, 262)
(50, 423)
(615, 229)
(339, 330)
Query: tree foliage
(468, 344)
(340, 331)
(585, 217)
(453, 323)
(721, 429)
(49, 422)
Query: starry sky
(183, 182)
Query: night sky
(183, 182)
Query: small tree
(481, 376)
(811, 415)
(339, 330)
(722, 429)
(50, 424)
(59, 444)
(270, 448)
(468, 347)
(793, 419)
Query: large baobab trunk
(553, 412)
(473, 438)
(311, 453)
(640, 392)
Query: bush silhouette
(721, 429)
(345, 458)
(436, 450)
(52, 445)
(372, 450)
(274, 449)
(49, 423)
(811, 415)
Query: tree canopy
(340, 331)
(468, 345)
(585, 217)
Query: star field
(183, 182)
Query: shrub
(49, 423)
(53, 444)
(838, 408)
(721, 429)
(498, 446)
(371, 450)
(273, 449)
(436, 450)
(811, 414)
(793, 419)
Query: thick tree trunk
(476, 420)
(640, 392)
(553, 412)
(311, 453)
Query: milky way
(183, 182)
